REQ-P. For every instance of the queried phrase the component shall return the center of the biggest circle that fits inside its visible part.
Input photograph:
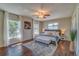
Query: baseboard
(3, 47)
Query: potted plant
(72, 36)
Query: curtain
(1, 28)
(14, 19)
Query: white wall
(41, 26)
(77, 40)
(26, 33)
(64, 23)
(77, 20)
(75, 25)
(5, 28)
(1, 28)
(78, 34)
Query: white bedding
(47, 39)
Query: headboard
(59, 31)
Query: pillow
(55, 33)
(49, 33)
(44, 33)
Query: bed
(41, 45)
(49, 36)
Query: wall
(75, 25)
(5, 29)
(78, 33)
(41, 26)
(1, 28)
(64, 23)
(26, 33)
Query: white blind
(13, 17)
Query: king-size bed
(42, 44)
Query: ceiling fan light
(47, 14)
(36, 13)
(41, 16)
(41, 13)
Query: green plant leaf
(72, 35)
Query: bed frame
(54, 31)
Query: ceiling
(57, 10)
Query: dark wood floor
(16, 50)
(19, 50)
(63, 49)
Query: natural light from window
(35, 28)
(53, 26)
(14, 29)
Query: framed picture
(27, 25)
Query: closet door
(1, 28)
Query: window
(53, 26)
(14, 29)
(35, 28)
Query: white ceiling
(27, 9)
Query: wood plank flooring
(19, 50)
(63, 49)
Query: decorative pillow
(50, 33)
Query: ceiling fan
(41, 13)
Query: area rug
(40, 49)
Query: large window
(35, 28)
(53, 26)
(14, 29)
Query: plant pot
(72, 46)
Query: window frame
(53, 25)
